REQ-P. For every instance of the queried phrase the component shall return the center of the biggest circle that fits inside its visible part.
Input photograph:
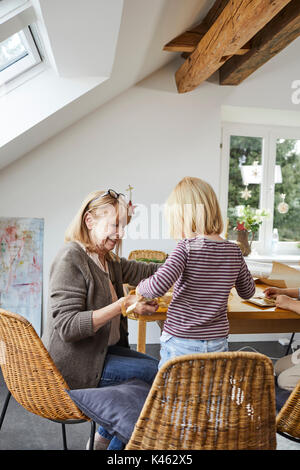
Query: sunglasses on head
(110, 192)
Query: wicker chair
(212, 401)
(148, 255)
(32, 377)
(288, 418)
(144, 255)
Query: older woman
(85, 334)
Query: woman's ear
(89, 221)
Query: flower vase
(243, 242)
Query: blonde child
(203, 269)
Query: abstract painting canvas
(21, 267)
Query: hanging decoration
(131, 207)
(255, 169)
(252, 174)
(282, 207)
(246, 194)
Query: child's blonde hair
(97, 205)
(192, 209)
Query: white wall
(144, 137)
(149, 136)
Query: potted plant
(249, 220)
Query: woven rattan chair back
(209, 401)
(30, 374)
(288, 418)
(148, 255)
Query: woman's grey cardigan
(77, 287)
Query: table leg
(141, 344)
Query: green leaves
(251, 218)
(245, 150)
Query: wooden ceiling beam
(273, 38)
(237, 23)
(188, 41)
(215, 12)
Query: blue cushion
(115, 407)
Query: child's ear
(89, 221)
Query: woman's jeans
(123, 364)
(173, 346)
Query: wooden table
(244, 318)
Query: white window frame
(269, 135)
(26, 63)
(16, 16)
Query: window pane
(245, 173)
(287, 193)
(12, 50)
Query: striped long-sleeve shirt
(203, 272)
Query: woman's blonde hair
(192, 209)
(97, 205)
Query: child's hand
(272, 292)
(146, 308)
(284, 301)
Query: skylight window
(18, 53)
(12, 50)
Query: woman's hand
(284, 301)
(142, 307)
(272, 292)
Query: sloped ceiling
(145, 28)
